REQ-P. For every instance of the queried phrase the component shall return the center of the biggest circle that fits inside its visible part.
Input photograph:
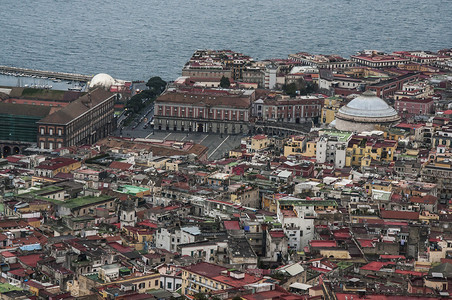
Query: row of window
(205, 281)
(51, 131)
(51, 145)
(200, 111)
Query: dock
(44, 74)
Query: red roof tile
(259, 137)
(56, 163)
(30, 260)
(120, 248)
(323, 244)
(399, 215)
(366, 243)
(231, 225)
(412, 273)
(7, 254)
(120, 165)
(428, 199)
(277, 234)
(376, 265)
(21, 272)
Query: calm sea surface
(138, 39)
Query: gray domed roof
(368, 105)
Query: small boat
(75, 88)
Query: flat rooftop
(342, 136)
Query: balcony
(197, 282)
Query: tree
(200, 296)
(224, 82)
(290, 89)
(156, 85)
(135, 103)
(300, 87)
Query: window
(60, 131)
(156, 283)
(169, 285)
(42, 130)
(50, 131)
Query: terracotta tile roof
(21, 272)
(7, 254)
(399, 215)
(259, 137)
(24, 109)
(120, 248)
(366, 243)
(412, 273)
(236, 282)
(30, 260)
(77, 107)
(56, 163)
(205, 269)
(323, 244)
(231, 225)
(213, 100)
(428, 199)
(120, 165)
(376, 265)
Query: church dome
(102, 80)
(368, 105)
(365, 112)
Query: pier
(13, 71)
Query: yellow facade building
(140, 284)
(207, 278)
(259, 142)
(294, 146)
(138, 238)
(311, 149)
(362, 150)
(330, 107)
(378, 185)
(235, 153)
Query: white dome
(364, 113)
(102, 80)
(368, 105)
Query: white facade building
(298, 225)
(330, 150)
